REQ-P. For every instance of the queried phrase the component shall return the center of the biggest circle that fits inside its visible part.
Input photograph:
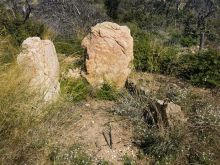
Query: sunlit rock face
(39, 61)
(109, 54)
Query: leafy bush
(17, 28)
(174, 39)
(177, 38)
(64, 48)
(151, 55)
(188, 41)
(141, 52)
(147, 52)
(20, 31)
(13, 31)
(168, 57)
(75, 89)
(201, 69)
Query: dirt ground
(95, 125)
(93, 131)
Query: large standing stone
(40, 62)
(109, 55)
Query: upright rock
(40, 62)
(165, 114)
(174, 115)
(109, 53)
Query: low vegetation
(13, 31)
(29, 130)
(69, 46)
(73, 155)
(200, 68)
(75, 89)
(107, 92)
(194, 143)
(25, 124)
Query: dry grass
(29, 129)
(7, 50)
(195, 143)
(21, 111)
(17, 110)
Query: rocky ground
(95, 122)
(94, 129)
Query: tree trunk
(202, 40)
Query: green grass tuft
(107, 92)
(75, 89)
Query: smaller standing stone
(40, 62)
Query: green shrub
(175, 37)
(141, 52)
(64, 48)
(168, 57)
(150, 54)
(17, 28)
(201, 69)
(13, 31)
(75, 89)
(188, 41)
(147, 52)
(8, 50)
(20, 31)
(107, 92)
